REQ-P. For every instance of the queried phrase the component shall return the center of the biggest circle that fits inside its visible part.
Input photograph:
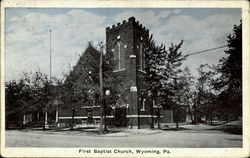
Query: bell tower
(126, 44)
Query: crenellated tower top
(131, 20)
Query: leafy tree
(73, 95)
(154, 57)
(42, 94)
(230, 81)
(206, 94)
(81, 81)
(171, 79)
(33, 92)
(163, 70)
(119, 85)
(186, 92)
(17, 93)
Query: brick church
(126, 43)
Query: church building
(137, 109)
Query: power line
(207, 50)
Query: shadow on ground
(233, 127)
(174, 129)
(230, 129)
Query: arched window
(142, 57)
(143, 104)
(154, 104)
(119, 56)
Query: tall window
(119, 56)
(142, 57)
(143, 105)
(154, 105)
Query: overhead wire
(204, 51)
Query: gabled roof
(88, 61)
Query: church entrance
(120, 113)
(120, 117)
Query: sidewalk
(93, 131)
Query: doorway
(120, 117)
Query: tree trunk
(206, 117)
(56, 115)
(177, 121)
(152, 113)
(190, 114)
(24, 121)
(105, 116)
(73, 119)
(159, 125)
(177, 118)
(44, 121)
(195, 114)
(152, 120)
(38, 119)
(211, 119)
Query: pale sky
(27, 34)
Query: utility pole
(46, 112)
(50, 64)
(101, 89)
(176, 107)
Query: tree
(154, 57)
(32, 93)
(163, 70)
(82, 81)
(17, 94)
(230, 81)
(42, 95)
(186, 79)
(171, 79)
(206, 94)
(72, 95)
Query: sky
(27, 37)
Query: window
(142, 57)
(154, 105)
(119, 56)
(143, 105)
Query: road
(185, 138)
